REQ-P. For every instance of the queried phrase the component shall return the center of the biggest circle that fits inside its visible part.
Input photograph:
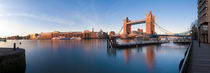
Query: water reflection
(111, 52)
(92, 44)
(150, 52)
(80, 56)
(150, 57)
(87, 45)
(127, 55)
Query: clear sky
(22, 17)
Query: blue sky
(22, 17)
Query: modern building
(204, 21)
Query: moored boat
(76, 38)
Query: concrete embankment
(12, 60)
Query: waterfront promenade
(200, 60)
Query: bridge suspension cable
(184, 33)
(120, 30)
(163, 30)
(171, 33)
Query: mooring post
(14, 46)
(114, 40)
(108, 43)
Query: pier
(12, 60)
(115, 43)
(136, 44)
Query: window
(203, 10)
(204, 27)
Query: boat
(76, 38)
(3, 39)
(60, 38)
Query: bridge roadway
(136, 22)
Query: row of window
(203, 4)
(204, 10)
(204, 27)
(202, 17)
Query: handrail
(186, 60)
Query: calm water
(92, 56)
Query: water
(92, 56)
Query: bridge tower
(150, 23)
(127, 28)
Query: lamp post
(199, 37)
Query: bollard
(14, 46)
(108, 43)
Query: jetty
(12, 60)
(114, 43)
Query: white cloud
(41, 17)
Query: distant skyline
(22, 17)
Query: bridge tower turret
(127, 28)
(150, 23)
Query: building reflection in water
(55, 45)
(111, 52)
(150, 57)
(127, 55)
(86, 45)
(91, 44)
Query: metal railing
(186, 62)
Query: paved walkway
(10, 51)
(200, 58)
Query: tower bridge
(150, 30)
(150, 25)
(149, 20)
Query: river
(92, 56)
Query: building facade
(45, 36)
(34, 36)
(204, 21)
(50, 35)
(85, 35)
